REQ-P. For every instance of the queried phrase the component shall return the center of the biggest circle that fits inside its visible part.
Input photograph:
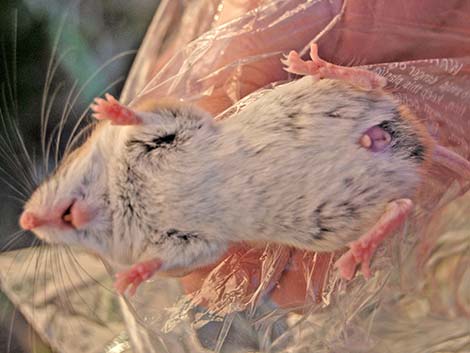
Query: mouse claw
(285, 61)
(295, 65)
(111, 109)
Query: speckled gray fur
(287, 169)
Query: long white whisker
(11, 325)
(51, 69)
(16, 199)
(7, 156)
(24, 264)
(3, 114)
(19, 184)
(8, 89)
(74, 135)
(11, 90)
(58, 278)
(63, 119)
(83, 300)
(79, 269)
(8, 152)
(20, 193)
(12, 239)
(85, 84)
(98, 71)
(33, 176)
(53, 96)
(77, 137)
(15, 38)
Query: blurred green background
(81, 37)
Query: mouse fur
(288, 169)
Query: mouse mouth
(77, 215)
(66, 217)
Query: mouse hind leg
(320, 68)
(361, 251)
(455, 163)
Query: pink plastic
(279, 299)
(222, 55)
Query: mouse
(325, 162)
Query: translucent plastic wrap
(221, 56)
(281, 299)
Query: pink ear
(111, 109)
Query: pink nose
(29, 221)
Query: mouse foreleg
(319, 68)
(117, 113)
(361, 250)
(173, 252)
(138, 273)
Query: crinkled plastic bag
(419, 297)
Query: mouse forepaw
(320, 68)
(110, 109)
(130, 280)
(361, 251)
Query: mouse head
(70, 206)
(99, 196)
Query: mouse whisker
(11, 239)
(10, 142)
(63, 119)
(53, 65)
(84, 114)
(82, 270)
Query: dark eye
(185, 236)
(149, 145)
(163, 140)
(160, 142)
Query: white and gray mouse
(324, 162)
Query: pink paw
(358, 254)
(295, 64)
(138, 273)
(320, 69)
(111, 109)
(361, 251)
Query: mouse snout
(29, 221)
(73, 214)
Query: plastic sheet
(223, 55)
(280, 299)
